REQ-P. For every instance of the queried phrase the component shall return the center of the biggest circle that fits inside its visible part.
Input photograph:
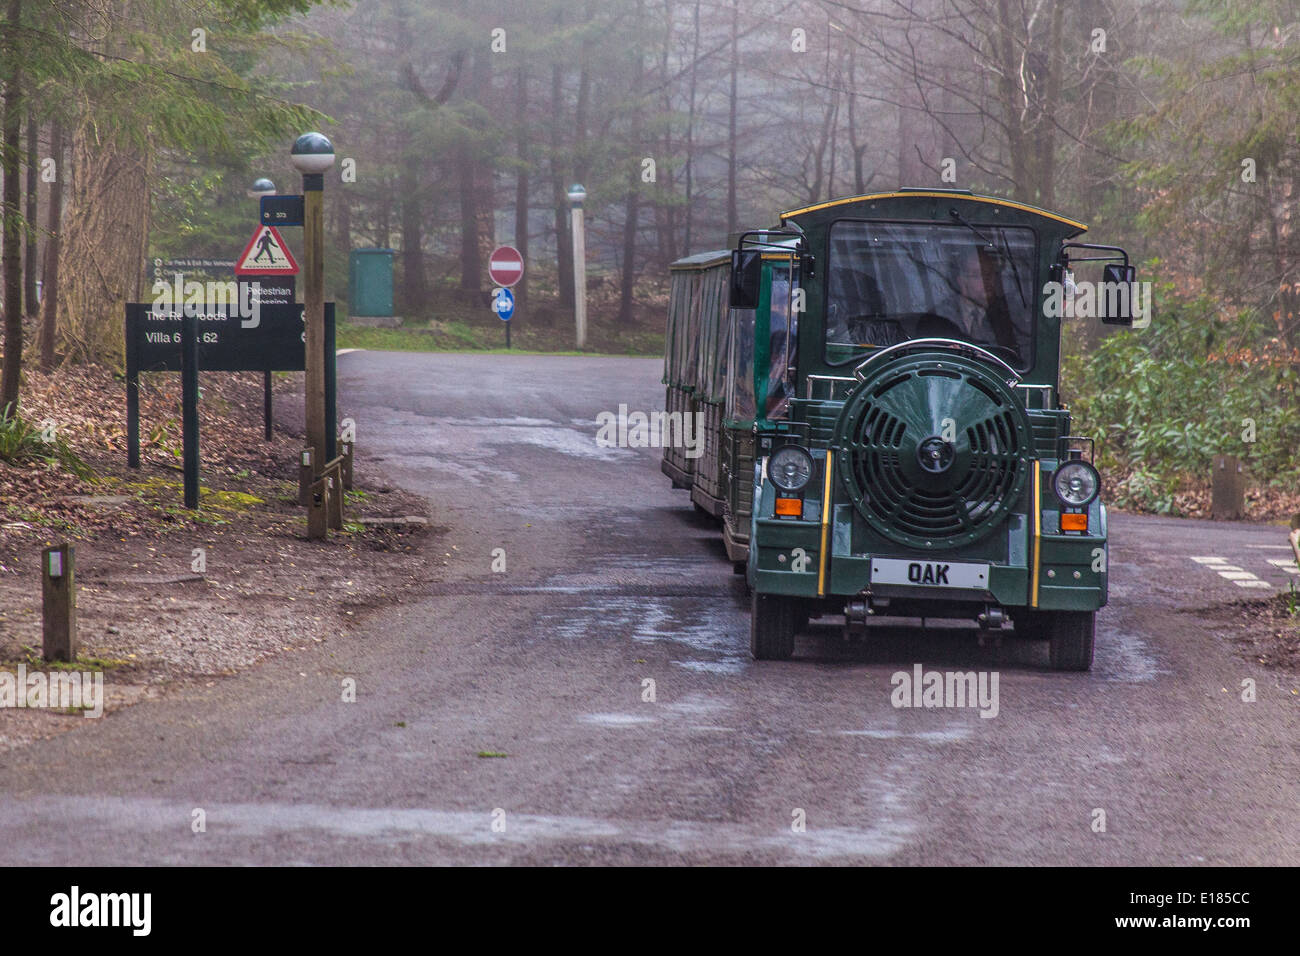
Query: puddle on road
(577, 439)
(1123, 657)
(301, 827)
(616, 720)
(710, 630)
(470, 449)
(925, 736)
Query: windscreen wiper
(958, 216)
(1015, 272)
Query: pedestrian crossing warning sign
(266, 255)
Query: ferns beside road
(1162, 401)
(21, 442)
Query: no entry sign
(505, 266)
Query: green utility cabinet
(370, 282)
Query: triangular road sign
(266, 255)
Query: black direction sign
(270, 339)
(282, 210)
(227, 343)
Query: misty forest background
(1167, 125)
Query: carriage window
(783, 328)
(740, 366)
(889, 282)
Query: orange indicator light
(1074, 522)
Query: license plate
(931, 574)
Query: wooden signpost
(222, 343)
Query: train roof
(960, 194)
(702, 260)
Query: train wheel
(772, 619)
(1070, 636)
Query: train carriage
(893, 424)
(723, 391)
(696, 304)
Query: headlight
(1076, 483)
(790, 468)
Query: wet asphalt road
(612, 580)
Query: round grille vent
(934, 450)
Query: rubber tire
(772, 619)
(1070, 637)
(802, 616)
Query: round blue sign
(503, 304)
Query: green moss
(84, 662)
(231, 500)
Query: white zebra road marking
(1230, 572)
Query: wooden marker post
(345, 451)
(58, 604)
(334, 478)
(1227, 489)
(306, 475)
(318, 511)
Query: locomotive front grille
(934, 451)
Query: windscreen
(888, 282)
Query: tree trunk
(30, 257)
(559, 188)
(521, 183)
(1045, 132)
(733, 216)
(469, 263)
(1011, 95)
(857, 149)
(690, 132)
(633, 211)
(415, 284)
(53, 226)
(102, 261)
(11, 260)
(343, 205)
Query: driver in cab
(969, 311)
(966, 304)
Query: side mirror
(1116, 300)
(746, 277)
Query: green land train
(877, 383)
